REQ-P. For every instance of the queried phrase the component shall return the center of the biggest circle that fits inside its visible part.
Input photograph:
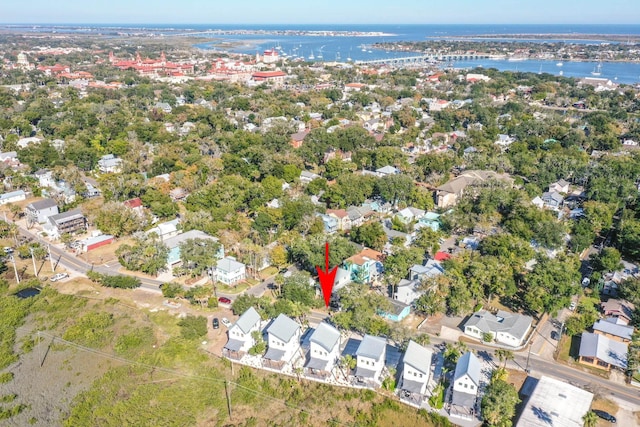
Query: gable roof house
(109, 164)
(416, 369)
(324, 351)
(165, 230)
(341, 215)
(450, 192)
(613, 330)
(506, 328)
(39, 211)
(407, 291)
(410, 214)
(12, 197)
(370, 358)
(70, 222)
(466, 382)
(560, 186)
(229, 271)
(601, 352)
(552, 200)
(283, 342)
(431, 268)
(240, 334)
(365, 266)
(618, 308)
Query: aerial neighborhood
(484, 225)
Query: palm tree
(504, 355)
(590, 419)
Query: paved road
(73, 262)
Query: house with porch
(12, 197)
(431, 220)
(370, 358)
(241, 335)
(407, 291)
(416, 370)
(341, 215)
(70, 222)
(166, 230)
(399, 310)
(324, 351)
(365, 266)
(109, 164)
(560, 186)
(465, 386)
(410, 214)
(229, 271)
(283, 342)
(618, 308)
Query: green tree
(370, 234)
(192, 327)
(147, 254)
(499, 404)
(199, 254)
(609, 259)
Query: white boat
(311, 57)
(598, 70)
(560, 72)
(559, 64)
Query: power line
(177, 373)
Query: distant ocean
(358, 48)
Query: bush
(122, 282)
(212, 302)
(172, 290)
(193, 326)
(436, 400)
(91, 330)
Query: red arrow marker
(327, 277)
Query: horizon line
(308, 23)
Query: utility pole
(33, 258)
(50, 258)
(528, 356)
(15, 269)
(226, 390)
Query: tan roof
(365, 255)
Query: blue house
(399, 311)
(365, 266)
(330, 223)
(173, 243)
(431, 220)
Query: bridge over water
(426, 59)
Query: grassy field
(113, 364)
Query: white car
(226, 322)
(59, 276)
(572, 306)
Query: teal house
(399, 311)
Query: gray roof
(605, 349)
(418, 357)
(274, 354)
(412, 386)
(234, 345)
(247, 320)
(12, 194)
(175, 241)
(228, 265)
(512, 323)
(326, 336)
(283, 328)
(622, 331)
(372, 347)
(317, 364)
(365, 373)
(468, 364)
(63, 217)
(466, 400)
(42, 204)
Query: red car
(224, 300)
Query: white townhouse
(466, 382)
(370, 358)
(416, 368)
(324, 350)
(229, 271)
(240, 334)
(283, 342)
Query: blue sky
(321, 12)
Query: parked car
(555, 335)
(216, 323)
(572, 306)
(226, 322)
(224, 300)
(59, 276)
(605, 416)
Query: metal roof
(468, 364)
(283, 328)
(372, 347)
(622, 331)
(247, 320)
(418, 357)
(175, 241)
(326, 336)
(605, 349)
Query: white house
(466, 382)
(240, 334)
(324, 350)
(410, 214)
(12, 197)
(39, 211)
(229, 271)
(560, 186)
(370, 358)
(408, 291)
(283, 342)
(166, 230)
(505, 328)
(431, 268)
(416, 368)
(109, 164)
